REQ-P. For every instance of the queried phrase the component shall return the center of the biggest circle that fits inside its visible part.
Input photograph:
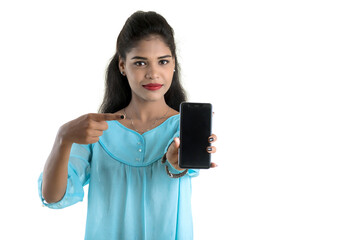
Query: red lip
(153, 86)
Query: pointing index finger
(105, 117)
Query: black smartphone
(195, 130)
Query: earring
(123, 116)
(174, 70)
(122, 73)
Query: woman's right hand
(86, 129)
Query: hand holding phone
(172, 154)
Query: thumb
(177, 142)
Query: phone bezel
(183, 106)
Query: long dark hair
(137, 27)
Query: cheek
(169, 80)
(169, 74)
(134, 77)
(169, 77)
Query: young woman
(128, 152)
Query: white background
(283, 77)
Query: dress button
(140, 150)
(139, 143)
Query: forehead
(150, 47)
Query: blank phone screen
(195, 129)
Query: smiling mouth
(153, 86)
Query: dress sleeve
(191, 172)
(78, 177)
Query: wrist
(177, 167)
(174, 164)
(173, 172)
(61, 138)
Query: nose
(152, 72)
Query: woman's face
(149, 68)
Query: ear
(122, 65)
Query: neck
(146, 111)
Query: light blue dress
(130, 195)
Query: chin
(150, 96)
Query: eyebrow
(143, 58)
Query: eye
(163, 62)
(139, 63)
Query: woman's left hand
(173, 157)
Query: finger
(89, 140)
(173, 148)
(104, 116)
(101, 126)
(94, 139)
(211, 149)
(176, 142)
(96, 133)
(212, 138)
(213, 165)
